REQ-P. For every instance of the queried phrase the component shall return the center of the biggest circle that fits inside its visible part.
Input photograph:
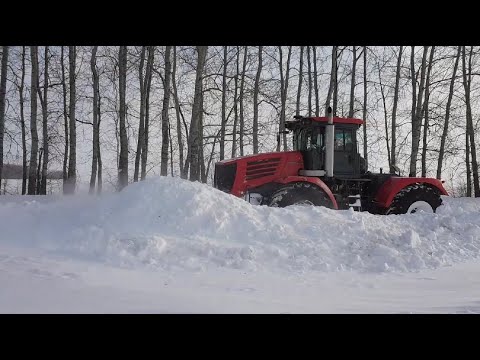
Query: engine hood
(255, 170)
(295, 155)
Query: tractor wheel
(300, 193)
(415, 198)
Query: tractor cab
(309, 137)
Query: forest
(96, 118)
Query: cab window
(343, 140)
(308, 139)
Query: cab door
(344, 152)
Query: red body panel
(284, 164)
(279, 167)
(392, 186)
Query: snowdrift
(168, 223)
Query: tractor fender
(393, 185)
(312, 180)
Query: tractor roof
(305, 121)
(337, 120)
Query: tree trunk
(224, 105)
(393, 155)
(300, 78)
(284, 102)
(315, 81)
(22, 125)
(72, 162)
(385, 117)
(165, 120)
(3, 93)
(44, 102)
(425, 127)
(417, 111)
(283, 90)
(447, 115)
(148, 86)
(467, 163)
(171, 149)
(122, 83)
(201, 157)
(235, 107)
(335, 86)
(32, 178)
(365, 139)
(333, 77)
(242, 87)
(309, 67)
(255, 101)
(183, 175)
(197, 109)
(95, 140)
(352, 84)
(65, 120)
(39, 175)
(141, 122)
(467, 80)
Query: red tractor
(325, 169)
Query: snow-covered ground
(171, 246)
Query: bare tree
(309, 67)
(300, 78)
(315, 81)
(32, 178)
(384, 102)
(235, 106)
(44, 102)
(365, 153)
(178, 114)
(333, 78)
(447, 115)
(141, 122)
(352, 84)
(66, 126)
(170, 141)
(417, 106)
(96, 159)
(224, 103)
(467, 81)
(22, 125)
(195, 138)
(467, 163)
(283, 91)
(165, 120)
(242, 92)
(72, 160)
(122, 86)
(3, 92)
(335, 81)
(255, 101)
(148, 86)
(39, 175)
(393, 155)
(425, 106)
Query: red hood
(259, 169)
(261, 156)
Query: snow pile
(170, 223)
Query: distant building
(12, 171)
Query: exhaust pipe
(329, 143)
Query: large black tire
(300, 193)
(415, 198)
